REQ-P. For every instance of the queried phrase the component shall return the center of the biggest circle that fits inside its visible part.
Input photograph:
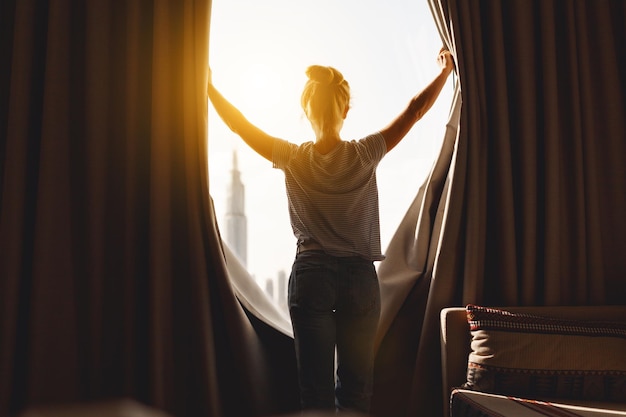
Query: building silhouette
(276, 290)
(235, 218)
(236, 235)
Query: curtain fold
(100, 175)
(253, 298)
(543, 100)
(113, 282)
(535, 187)
(406, 276)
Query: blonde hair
(325, 98)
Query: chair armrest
(455, 348)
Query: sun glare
(260, 89)
(259, 53)
(259, 79)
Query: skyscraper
(236, 223)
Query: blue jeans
(334, 302)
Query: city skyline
(236, 236)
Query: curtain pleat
(113, 279)
(535, 187)
(78, 267)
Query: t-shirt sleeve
(281, 153)
(375, 146)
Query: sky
(258, 53)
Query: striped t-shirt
(333, 197)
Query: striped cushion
(543, 357)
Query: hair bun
(324, 75)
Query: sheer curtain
(533, 214)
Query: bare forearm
(231, 116)
(422, 102)
(236, 121)
(415, 110)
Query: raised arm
(257, 139)
(420, 104)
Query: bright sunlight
(258, 54)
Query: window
(259, 52)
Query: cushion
(546, 357)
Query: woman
(334, 298)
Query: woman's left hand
(209, 78)
(445, 59)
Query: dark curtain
(112, 279)
(537, 182)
